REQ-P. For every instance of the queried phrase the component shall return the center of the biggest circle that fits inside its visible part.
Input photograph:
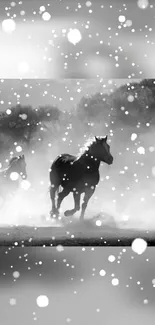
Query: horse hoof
(53, 214)
(67, 213)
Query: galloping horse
(78, 174)
(9, 177)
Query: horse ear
(96, 138)
(106, 137)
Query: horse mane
(12, 160)
(9, 165)
(88, 143)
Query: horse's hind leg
(76, 196)
(61, 196)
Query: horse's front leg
(88, 193)
(61, 196)
(76, 196)
(53, 190)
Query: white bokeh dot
(42, 8)
(14, 176)
(102, 272)
(121, 19)
(143, 4)
(8, 26)
(98, 223)
(23, 116)
(13, 301)
(130, 98)
(74, 36)
(88, 3)
(133, 136)
(60, 248)
(128, 23)
(18, 148)
(139, 246)
(13, 4)
(16, 274)
(151, 149)
(42, 301)
(146, 301)
(141, 150)
(25, 184)
(115, 282)
(46, 16)
(111, 258)
(8, 111)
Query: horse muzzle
(110, 161)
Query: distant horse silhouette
(78, 174)
(9, 177)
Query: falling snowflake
(128, 23)
(143, 4)
(46, 16)
(25, 184)
(74, 36)
(88, 3)
(42, 8)
(115, 282)
(14, 176)
(19, 149)
(60, 248)
(16, 274)
(98, 223)
(8, 25)
(111, 258)
(102, 272)
(121, 19)
(8, 111)
(130, 98)
(139, 246)
(141, 150)
(42, 301)
(133, 136)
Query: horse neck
(90, 160)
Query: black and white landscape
(44, 118)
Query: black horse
(9, 177)
(78, 174)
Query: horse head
(101, 150)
